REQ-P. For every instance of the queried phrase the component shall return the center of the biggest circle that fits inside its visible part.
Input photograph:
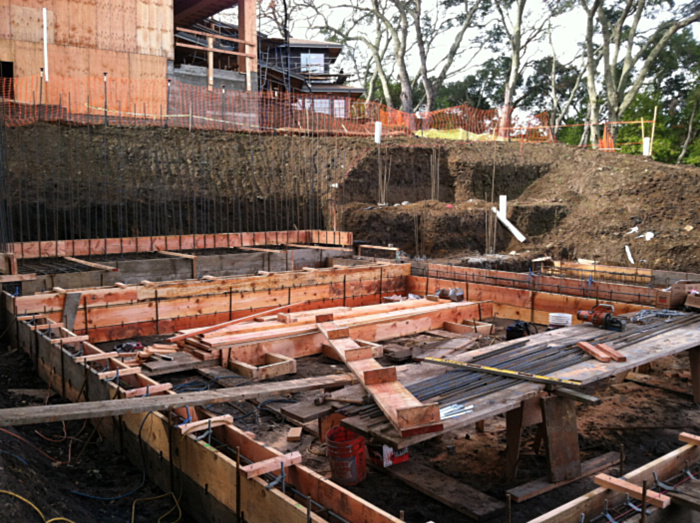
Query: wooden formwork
(207, 478)
(113, 313)
(104, 246)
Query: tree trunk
(689, 136)
(593, 111)
(515, 48)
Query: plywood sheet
(83, 23)
(26, 22)
(4, 19)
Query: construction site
(225, 304)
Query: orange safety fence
(162, 102)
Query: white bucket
(558, 320)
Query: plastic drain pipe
(514, 231)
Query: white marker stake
(629, 254)
(377, 132)
(503, 204)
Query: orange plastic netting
(171, 103)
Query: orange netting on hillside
(163, 103)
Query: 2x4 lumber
(401, 408)
(118, 407)
(121, 372)
(596, 353)
(635, 491)
(147, 390)
(213, 35)
(615, 355)
(472, 503)
(691, 439)
(93, 265)
(178, 255)
(69, 340)
(12, 278)
(205, 424)
(377, 376)
(540, 486)
(294, 434)
(99, 356)
(577, 395)
(271, 464)
(45, 326)
(220, 326)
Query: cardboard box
(385, 456)
(680, 290)
(693, 301)
(663, 299)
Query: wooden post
(514, 432)
(561, 436)
(695, 372)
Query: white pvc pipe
(46, 45)
(514, 231)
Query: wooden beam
(111, 374)
(220, 51)
(615, 355)
(213, 35)
(92, 265)
(12, 278)
(596, 353)
(68, 340)
(220, 326)
(205, 424)
(635, 491)
(271, 464)
(691, 439)
(178, 255)
(148, 390)
(117, 407)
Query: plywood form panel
(7, 50)
(29, 58)
(129, 12)
(63, 14)
(110, 25)
(168, 30)
(83, 23)
(115, 64)
(68, 62)
(4, 19)
(26, 23)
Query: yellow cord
(160, 519)
(43, 518)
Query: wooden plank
(542, 485)
(205, 424)
(121, 372)
(596, 353)
(450, 492)
(178, 255)
(294, 434)
(271, 465)
(181, 362)
(69, 340)
(148, 390)
(12, 278)
(117, 407)
(220, 326)
(561, 435)
(689, 438)
(615, 355)
(92, 265)
(377, 376)
(635, 491)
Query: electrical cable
(143, 472)
(21, 498)
(161, 496)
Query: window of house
(312, 63)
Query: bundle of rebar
(543, 358)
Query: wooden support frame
(92, 265)
(206, 471)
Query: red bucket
(347, 454)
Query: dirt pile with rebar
(569, 202)
(79, 182)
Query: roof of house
(188, 12)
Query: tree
(628, 51)
(520, 29)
